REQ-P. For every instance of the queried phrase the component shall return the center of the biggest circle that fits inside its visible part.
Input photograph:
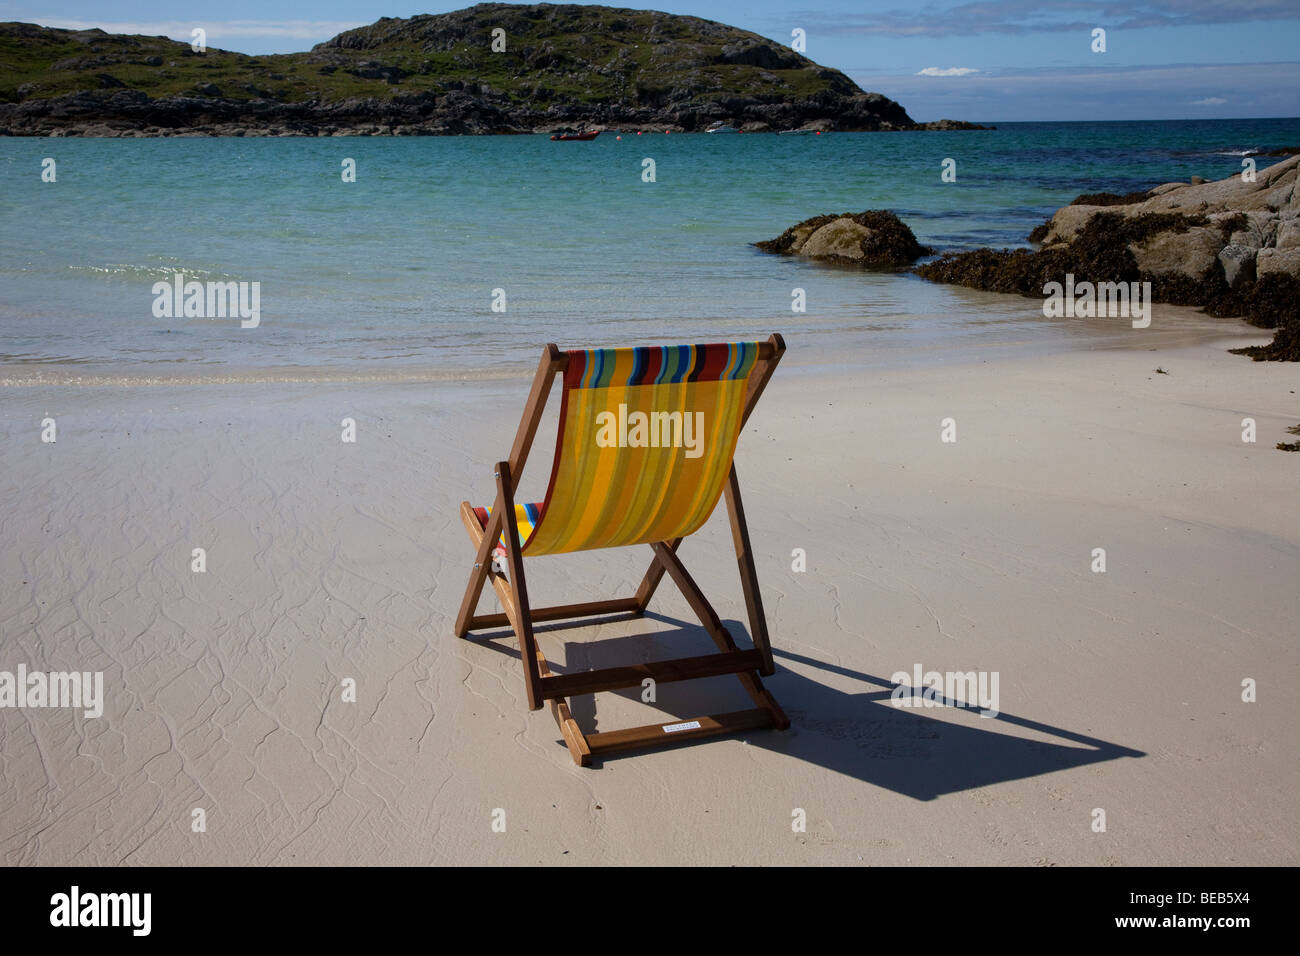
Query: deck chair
(643, 452)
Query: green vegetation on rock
(562, 65)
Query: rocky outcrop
(1270, 201)
(875, 239)
(562, 65)
(1231, 246)
(132, 113)
(947, 124)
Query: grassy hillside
(560, 63)
(588, 54)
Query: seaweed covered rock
(1111, 199)
(1110, 247)
(1273, 301)
(875, 239)
(1285, 347)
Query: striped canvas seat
(526, 515)
(644, 446)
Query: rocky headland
(490, 68)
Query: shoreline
(1025, 334)
(106, 130)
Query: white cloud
(177, 30)
(1210, 101)
(950, 71)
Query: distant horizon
(1167, 60)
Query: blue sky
(997, 60)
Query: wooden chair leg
(691, 591)
(482, 564)
(653, 575)
(709, 618)
(574, 738)
(523, 617)
(748, 575)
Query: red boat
(575, 137)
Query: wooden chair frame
(545, 687)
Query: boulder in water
(875, 239)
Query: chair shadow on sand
(853, 728)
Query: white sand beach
(1119, 691)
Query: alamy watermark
(948, 689)
(75, 908)
(651, 430)
(208, 300)
(1090, 300)
(54, 689)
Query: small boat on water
(720, 128)
(794, 132)
(576, 137)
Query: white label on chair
(689, 725)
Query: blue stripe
(747, 363)
(683, 364)
(742, 359)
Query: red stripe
(654, 362)
(715, 362)
(575, 369)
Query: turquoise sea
(392, 276)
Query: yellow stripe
(613, 496)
